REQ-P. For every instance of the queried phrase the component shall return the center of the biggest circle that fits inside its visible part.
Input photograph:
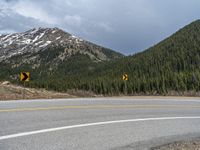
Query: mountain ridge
(40, 39)
(172, 65)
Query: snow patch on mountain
(34, 41)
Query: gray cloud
(124, 25)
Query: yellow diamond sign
(25, 76)
(125, 77)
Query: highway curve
(97, 123)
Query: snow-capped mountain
(41, 39)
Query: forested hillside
(171, 65)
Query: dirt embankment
(13, 92)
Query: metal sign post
(25, 77)
(125, 78)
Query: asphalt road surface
(97, 123)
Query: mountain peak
(35, 39)
(47, 30)
(40, 39)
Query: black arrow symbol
(25, 76)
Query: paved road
(97, 123)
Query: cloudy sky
(127, 26)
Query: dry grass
(13, 92)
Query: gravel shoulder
(183, 145)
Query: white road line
(92, 124)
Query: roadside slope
(13, 92)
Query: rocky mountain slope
(41, 39)
(49, 52)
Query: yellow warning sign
(125, 77)
(25, 76)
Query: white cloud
(74, 20)
(129, 24)
(11, 21)
(106, 27)
(32, 10)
